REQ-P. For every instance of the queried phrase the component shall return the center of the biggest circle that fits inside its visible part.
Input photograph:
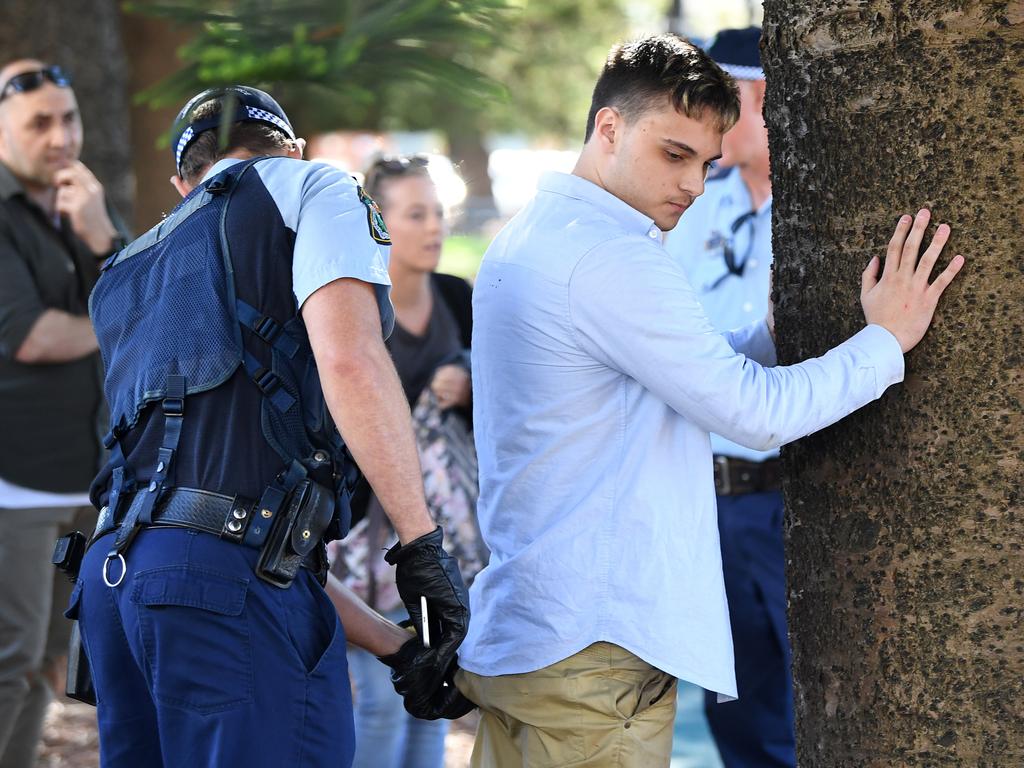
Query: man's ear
(297, 149)
(607, 128)
(760, 87)
(181, 185)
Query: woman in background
(430, 348)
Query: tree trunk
(151, 46)
(904, 522)
(471, 157)
(84, 37)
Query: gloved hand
(424, 569)
(413, 672)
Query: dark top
(50, 414)
(417, 357)
(446, 340)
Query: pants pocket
(196, 638)
(313, 625)
(658, 687)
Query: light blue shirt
(596, 380)
(729, 300)
(334, 239)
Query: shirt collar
(220, 165)
(578, 188)
(9, 185)
(736, 194)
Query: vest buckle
(266, 381)
(267, 328)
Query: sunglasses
(30, 81)
(386, 167)
(732, 264)
(399, 164)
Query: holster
(79, 683)
(296, 537)
(67, 557)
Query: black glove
(424, 569)
(413, 672)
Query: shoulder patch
(375, 219)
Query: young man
(724, 244)
(237, 333)
(54, 225)
(597, 378)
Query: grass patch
(461, 255)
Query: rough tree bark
(904, 523)
(84, 36)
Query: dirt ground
(70, 741)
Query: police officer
(235, 335)
(724, 244)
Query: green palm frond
(355, 49)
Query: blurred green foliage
(547, 57)
(328, 60)
(462, 255)
(451, 65)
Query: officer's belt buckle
(723, 482)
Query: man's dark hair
(641, 74)
(206, 149)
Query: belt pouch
(296, 533)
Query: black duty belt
(734, 477)
(216, 513)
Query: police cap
(738, 52)
(250, 104)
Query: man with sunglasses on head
(724, 243)
(54, 226)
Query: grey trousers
(33, 630)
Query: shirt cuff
(883, 354)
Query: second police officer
(235, 335)
(724, 243)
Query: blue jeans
(198, 663)
(386, 735)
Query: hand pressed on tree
(903, 301)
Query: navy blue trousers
(199, 664)
(756, 730)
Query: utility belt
(287, 540)
(295, 539)
(735, 477)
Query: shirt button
(654, 233)
(753, 263)
(748, 307)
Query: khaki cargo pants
(602, 708)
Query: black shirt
(446, 340)
(49, 413)
(418, 357)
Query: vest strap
(266, 328)
(142, 513)
(268, 383)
